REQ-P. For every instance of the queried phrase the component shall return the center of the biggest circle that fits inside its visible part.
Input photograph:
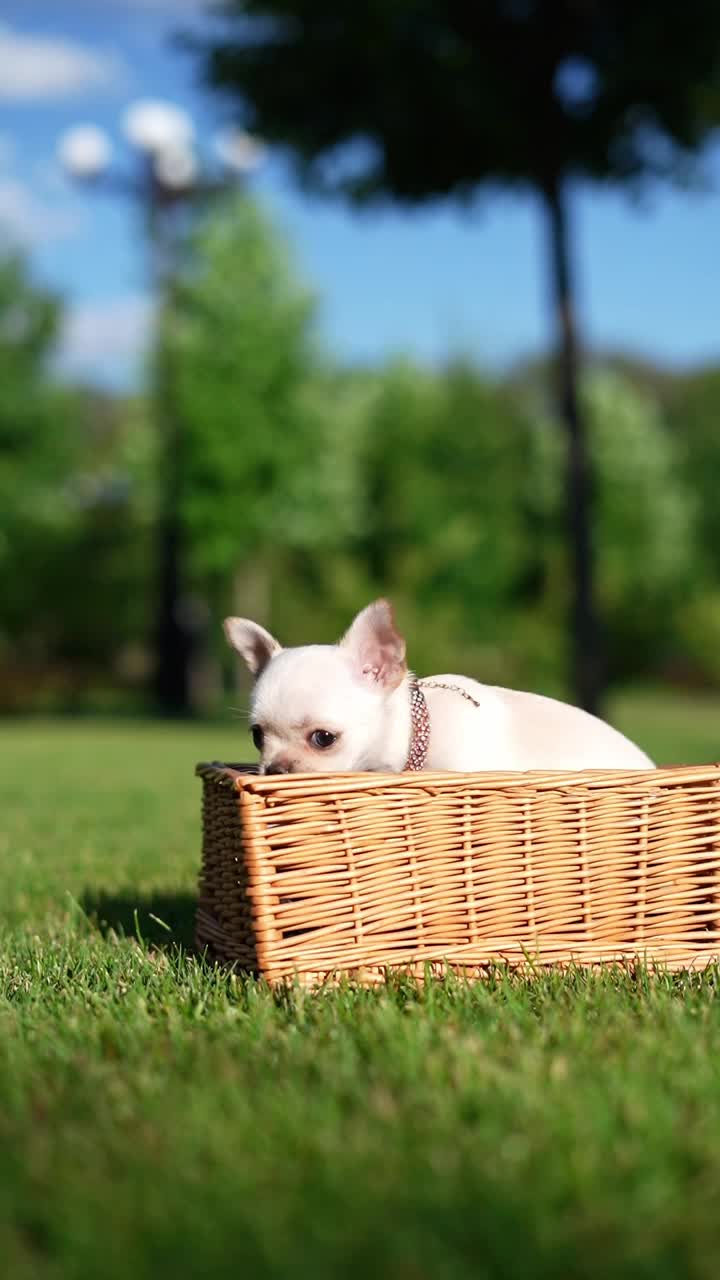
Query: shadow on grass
(164, 920)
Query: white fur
(360, 691)
(512, 730)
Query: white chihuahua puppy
(355, 706)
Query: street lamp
(85, 151)
(167, 175)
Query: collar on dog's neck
(420, 721)
(419, 730)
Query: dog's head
(326, 707)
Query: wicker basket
(320, 874)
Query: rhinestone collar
(419, 730)
(420, 721)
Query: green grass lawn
(159, 1118)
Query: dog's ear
(254, 644)
(376, 647)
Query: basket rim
(245, 778)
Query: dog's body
(513, 730)
(350, 707)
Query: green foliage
(159, 1116)
(264, 469)
(445, 490)
(697, 629)
(37, 454)
(72, 553)
(693, 411)
(645, 518)
(102, 569)
(445, 529)
(33, 444)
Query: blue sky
(425, 283)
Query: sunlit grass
(159, 1117)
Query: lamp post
(165, 178)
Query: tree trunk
(173, 648)
(172, 633)
(587, 667)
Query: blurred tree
(34, 448)
(445, 529)
(29, 319)
(693, 409)
(692, 406)
(265, 469)
(102, 592)
(71, 550)
(647, 528)
(420, 99)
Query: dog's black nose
(279, 766)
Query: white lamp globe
(239, 151)
(154, 126)
(85, 151)
(175, 167)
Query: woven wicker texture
(320, 874)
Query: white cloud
(35, 67)
(105, 340)
(27, 221)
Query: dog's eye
(322, 739)
(257, 736)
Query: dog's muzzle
(280, 766)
